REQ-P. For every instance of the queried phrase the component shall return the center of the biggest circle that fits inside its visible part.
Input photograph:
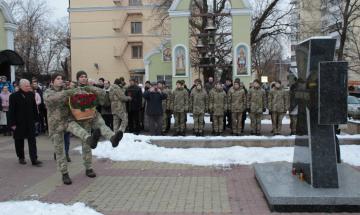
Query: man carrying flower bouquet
(60, 121)
(87, 116)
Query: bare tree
(264, 55)
(346, 17)
(41, 43)
(353, 53)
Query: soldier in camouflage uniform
(118, 106)
(278, 105)
(237, 105)
(256, 105)
(198, 106)
(166, 107)
(60, 121)
(96, 123)
(179, 105)
(217, 107)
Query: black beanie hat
(80, 73)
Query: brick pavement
(133, 188)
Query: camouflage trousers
(165, 121)
(293, 122)
(58, 142)
(179, 122)
(236, 119)
(120, 121)
(256, 122)
(218, 123)
(96, 123)
(198, 122)
(276, 118)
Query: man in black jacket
(154, 109)
(134, 106)
(22, 117)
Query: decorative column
(241, 25)
(10, 31)
(179, 14)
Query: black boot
(68, 157)
(93, 140)
(90, 173)
(66, 179)
(22, 161)
(116, 138)
(37, 163)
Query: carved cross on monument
(321, 96)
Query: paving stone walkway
(133, 188)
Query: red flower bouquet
(83, 106)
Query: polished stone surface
(333, 93)
(316, 155)
(285, 192)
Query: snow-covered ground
(190, 120)
(138, 148)
(40, 208)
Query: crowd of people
(29, 109)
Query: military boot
(90, 173)
(22, 161)
(116, 138)
(66, 179)
(93, 140)
(68, 157)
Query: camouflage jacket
(199, 101)
(278, 101)
(118, 99)
(179, 102)
(256, 100)
(56, 101)
(166, 102)
(236, 100)
(217, 102)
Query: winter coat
(5, 101)
(209, 86)
(118, 99)
(256, 100)
(56, 101)
(278, 101)
(217, 102)
(136, 98)
(236, 100)
(154, 103)
(179, 101)
(166, 102)
(199, 101)
(23, 114)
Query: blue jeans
(67, 142)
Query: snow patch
(138, 148)
(40, 208)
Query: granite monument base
(284, 192)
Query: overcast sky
(59, 8)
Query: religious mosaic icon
(241, 60)
(180, 61)
(166, 54)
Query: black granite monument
(315, 182)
